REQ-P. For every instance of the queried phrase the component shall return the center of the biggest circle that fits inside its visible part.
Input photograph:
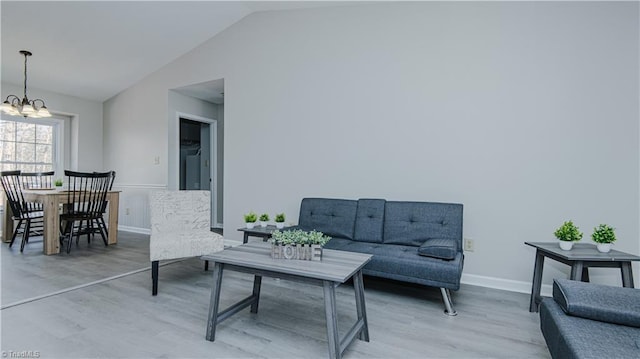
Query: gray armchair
(585, 320)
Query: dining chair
(87, 192)
(35, 180)
(13, 191)
(180, 228)
(99, 225)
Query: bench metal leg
(448, 304)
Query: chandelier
(13, 106)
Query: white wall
(86, 124)
(527, 113)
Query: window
(27, 146)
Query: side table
(580, 258)
(261, 232)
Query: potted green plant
(298, 244)
(58, 183)
(604, 236)
(264, 218)
(279, 218)
(567, 234)
(250, 219)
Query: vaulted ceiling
(95, 49)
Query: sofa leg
(448, 304)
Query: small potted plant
(279, 220)
(58, 184)
(604, 236)
(250, 219)
(298, 244)
(264, 218)
(567, 234)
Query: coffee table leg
(257, 282)
(576, 270)
(358, 286)
(537, 281)
(332, 319)
(245, 239)
(627, 274)
(212, 320)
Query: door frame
(213, 126)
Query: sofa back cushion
(369, 220)
(412, 223)
(333, 217)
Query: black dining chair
(85, 198)
(36, 180)
(99, 225)
(19, 207)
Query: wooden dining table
(51, 199)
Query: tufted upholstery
(369, 220)
(333, 217)
(577, 336)
(411, 223)
(403, 263)
(393, 232)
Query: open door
(197, 158)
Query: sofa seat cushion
(404, 263)
(598, 302)
(574, 337)
(333, 217)
(438, 248)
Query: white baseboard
(134, 229)
(503, 284)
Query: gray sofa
(417, 242)
(585, 320)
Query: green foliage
(250, 217)
(264, 217)
(603, 234)
(568, 232)
(57, 183)
(298, 236)
(280, 218)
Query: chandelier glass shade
(15, 106)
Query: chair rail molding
(134, 213)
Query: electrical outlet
(469, 245)
(127, 211)
(156, 160)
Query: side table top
(257, 230)
(583, 252)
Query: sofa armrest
(438, 248)
(598, 302)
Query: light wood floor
(120, 319)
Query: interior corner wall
(86, 125)
(525, 112)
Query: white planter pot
(263, 224)
(604, 247)
(250, 224)
(565, 246)
(279, 225)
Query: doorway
(198, 157)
